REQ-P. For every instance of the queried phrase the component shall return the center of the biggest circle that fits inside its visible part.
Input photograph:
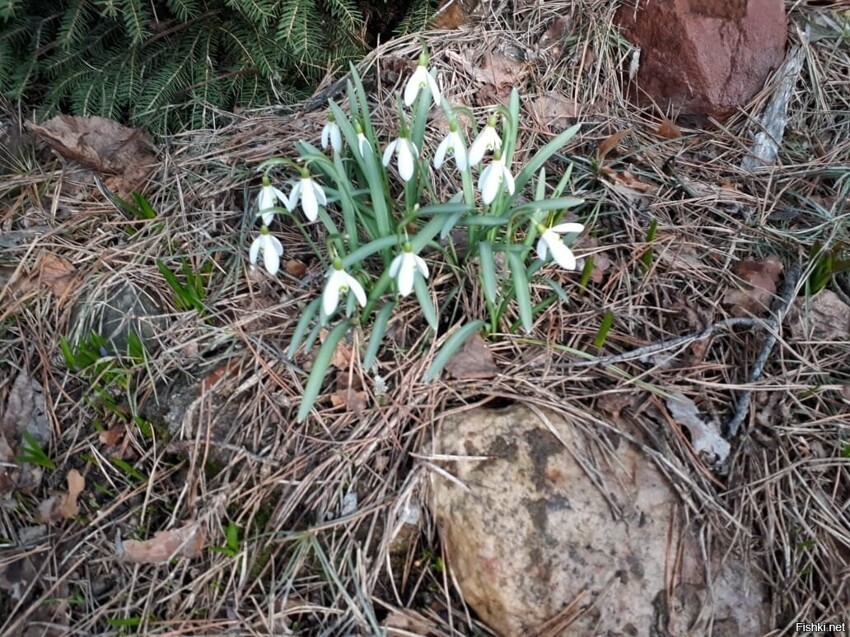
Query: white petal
(440, 155)
(476, 151)
(268, 217)
(395, 265)
(354, 286)
(460, 154)
(363, 144)
(405, 275)
(492, 183)
(276, 245)
(308, 200)
(388, 152)
(326, 134)
(264, 199)
(405, 159)
(254, 251)
(411, 90)
(566, 228)
(294, 196)
(330, 297)
(421, 265)
(271, 257)
(509, 180)
(542, 248)
(562, 255)
(336, 138)
(320, 194)
(482, 178)
(434, 87)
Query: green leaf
(521, 291)
(379, 328)
(543, 156)
(303, 325)
(451, 346)
(604, 328)
(320, 369)
(423, 295)
(488, 271)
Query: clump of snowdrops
(380, 252)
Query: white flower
(419, 80)
(406, 152)
(271, 248)
(404, 268)
(488, 139)
(550, 241)
(331, 135)
(363, 144)
(311, 195)
(453, 142)
(268, 198)
(492, 177)
(339, 283)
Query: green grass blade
(488, 271)
(379, 328)
(521, 291)
(320, 369)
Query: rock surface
(704, 57)
(566, 531)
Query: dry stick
(742, 405)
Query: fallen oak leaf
(760, 278)
(188, 541)
(473, 360)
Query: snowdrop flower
(331, 135)
(550, 241)
(404, 268)
(363, 145)
(339, 283)
(492, 177)
(419, 80)
(268, 198)
(488, 139)
(310, 193)
(406, 152)
(271, 248)
(453, 142)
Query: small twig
(654, 348)
(742, 405)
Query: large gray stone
(573, 528)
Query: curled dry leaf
(296, 268)
(760, 278)
(351, 399)
(551, 43)
(499, 70)
(823, 317)
(103, 145)
(26, 411)
(610, 143)
(668, 130)
(188, 541)
(473, 360)
(554, 110)
(63, 506)
(705, 436)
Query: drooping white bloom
(419, 80)
(406, 152)
(271, 248)
(452, 142)
(339, 283)
(311, 195)
(363, 145)
(492, 177)
(550, 241)
(268, 198)
(404, 268)
(488, 139)
(331, 135)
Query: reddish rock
(704, 57)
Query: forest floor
(168, 488)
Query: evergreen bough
(166, 65)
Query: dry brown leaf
(26, 411)
(63, 506)
(500, 70)
(296, 268)
(551, 43)
(823, 317)
(473, 360)
(103, 145)
(668, 130)
(409, 622)
(351, 399)
(220, 372)
(609, 144)
(188, 541)
(760, 278)
(57, 273)
(554, 110)
(343, 355)
(112, 436)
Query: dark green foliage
(171, 64)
